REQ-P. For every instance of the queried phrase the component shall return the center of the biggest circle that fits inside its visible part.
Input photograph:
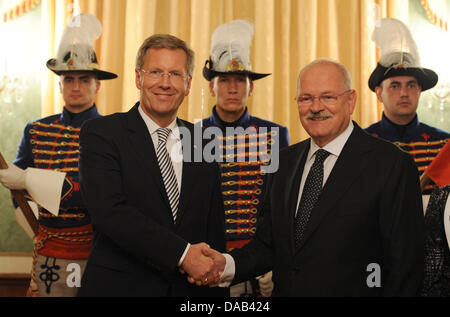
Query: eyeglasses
(325, 99)
(174, 77)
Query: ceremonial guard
(248, 145)
(398, 81)
(47, 164)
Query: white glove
(13, 177)
(44, 186)
(266, 284)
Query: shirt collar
(241, 122)
(152, 126)
(335, 146)
(76, 119)
(388, 124)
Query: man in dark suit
(343, 214)
(151, 204)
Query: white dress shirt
(174, 147)
(173, 144)
(335, 148)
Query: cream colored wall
(17, 262)
(288, 35)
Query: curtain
(288, 35)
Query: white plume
(231, 41)
(396, 44)
(78, 39)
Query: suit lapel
(188, 179)
(349, 166)
(141, 141)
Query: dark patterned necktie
(167, 171)
(310, 194)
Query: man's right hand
(13, 177)
(200, 266)
(218, 266)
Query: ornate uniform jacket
(420, 140)
(245, 149)
(52, 143)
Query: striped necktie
(167, 171)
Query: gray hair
(345, 72)
(165, 41)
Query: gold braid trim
(244, 182)
(252, 220)
(55, 152)
(252, 230)
(246, 145)
(423, 159)
(241, 202)
(421, 143)
(414, 152)
(247, 136)
(67, 169)
(245, 173)
(59, 126)
(49, 215)
(252, 163)
(56, 144)
(66, 236)
(241, 211)
(53, 134)
(68, 160)
(242, 192)
(33, 289)
(250, 154)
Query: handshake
(203, 265)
